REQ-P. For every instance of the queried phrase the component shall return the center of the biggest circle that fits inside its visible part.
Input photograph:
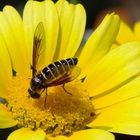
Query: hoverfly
(57, 73)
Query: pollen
(67, 108)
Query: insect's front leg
(45, 98)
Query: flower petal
(89, 134)
(117, 68)
(125, 34)
(34, 13)
(59, 138)
(6, 119)
(5, 68)
(92, 134)
(11, 29)
(99, 43)
(72, 22)
(121, 118)
(128, 91)
(27, 134)
(137, 30)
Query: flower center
(66, 108)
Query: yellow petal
(27, 134)
(72, 26)
(11, 29)
(59, 138)
(121, 118)
(114, 46)
(5, 68)
(92, 134)
(6, 119)
(137, 30)
(34, 13)
(127, 91)
(89, 134)
(118, 67)
(125, 34)
(99, 43)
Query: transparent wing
(39, 45)
(70, 76)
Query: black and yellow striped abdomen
(59, 68)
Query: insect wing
(70, 76)
(39, 45)
(74, 73)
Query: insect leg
(66, 90)
(45, 98)
(42, 91)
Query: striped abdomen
(59, 68)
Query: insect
(57, 73)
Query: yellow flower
(107, 97)
(127, 33)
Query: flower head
(105, 96)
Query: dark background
(96, 9)
(92, 11)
